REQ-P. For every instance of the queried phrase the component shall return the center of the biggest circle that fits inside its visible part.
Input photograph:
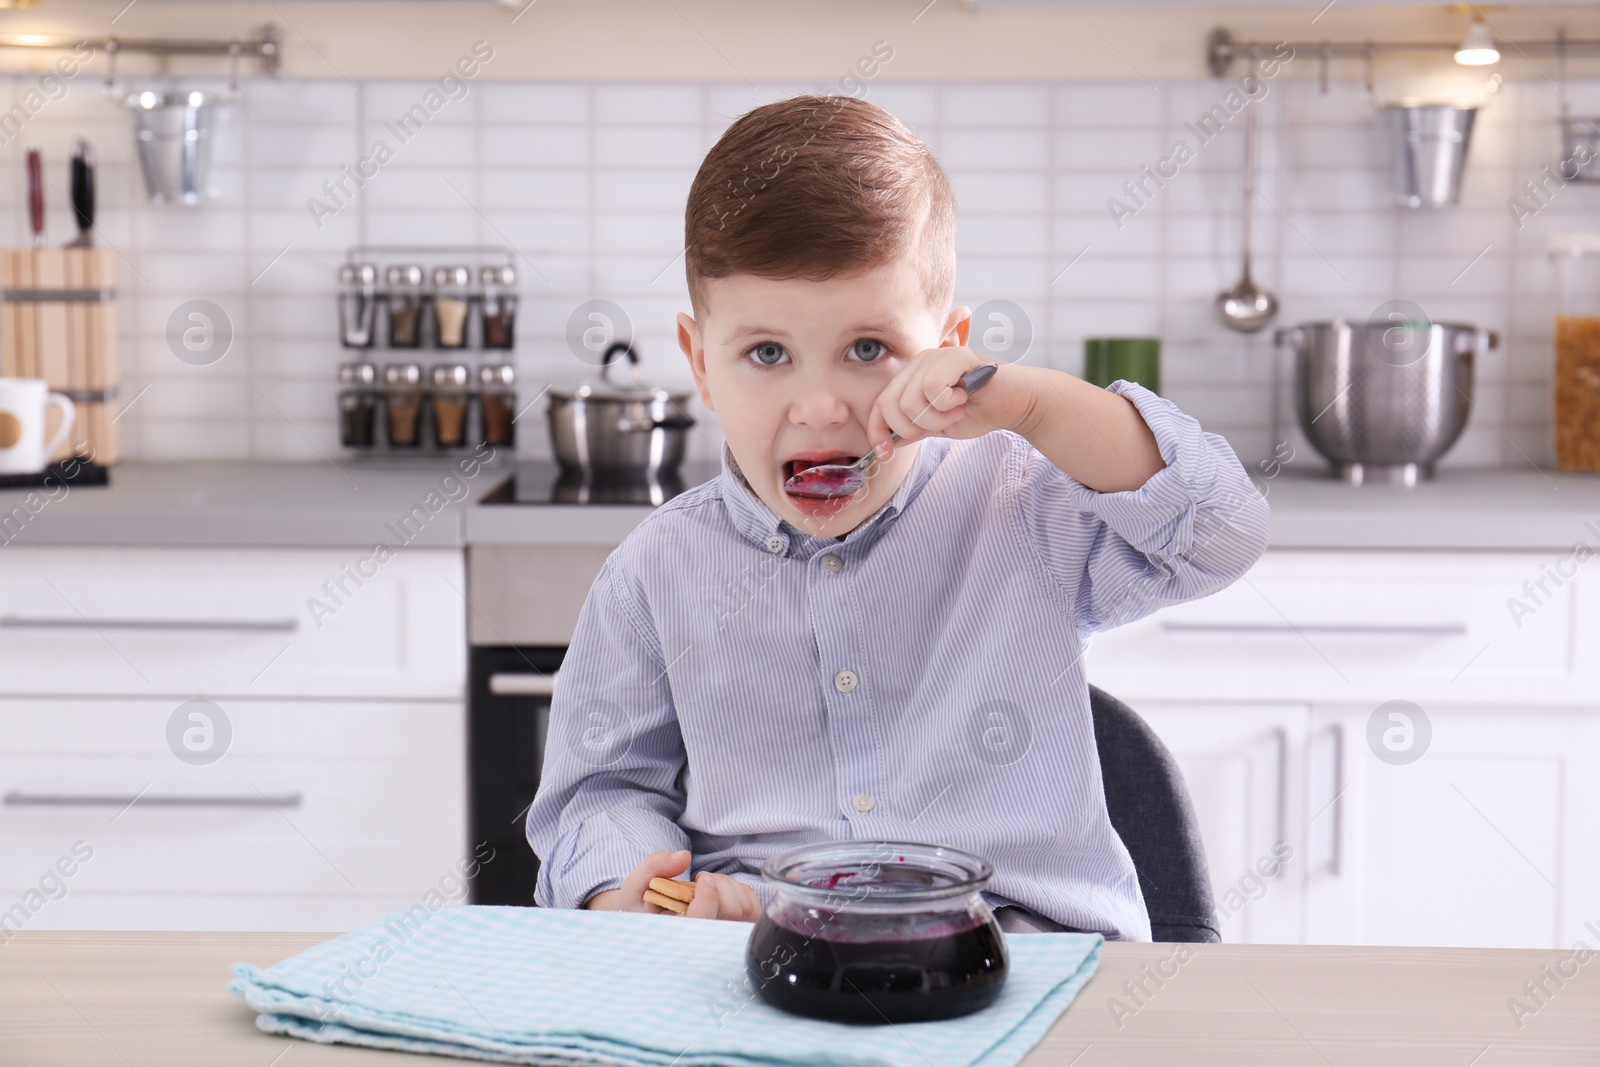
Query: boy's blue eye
(866, 350)
(768, 353)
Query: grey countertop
(359, 503)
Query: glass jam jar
(875, 931)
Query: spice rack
(457, 302)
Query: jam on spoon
(827, 481)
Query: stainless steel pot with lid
(1383, 400)
(619, 429)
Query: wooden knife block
(58, 321)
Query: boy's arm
(1092, 434)
(609, 792)
(1178, 526)
(1172, 514)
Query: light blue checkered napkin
(613, 989)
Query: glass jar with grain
(402, 383)
(450, 395)
(499, 307)
(358, 405)
(497, 400)
(1577, 367)
(452, 305)
(407, 304)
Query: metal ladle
(1246, 307)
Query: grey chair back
(1150, 810)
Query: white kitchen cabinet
(340, 790)
(1241, 766)
(1345, 627)
(1486, 840)
(245, 622)
(345, 810)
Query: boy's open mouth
(795, 466)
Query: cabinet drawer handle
(523, 685)
(1421, 629)
(1281, 737)
(22, 622)
(148, 800)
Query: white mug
(23, 403)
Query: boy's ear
(690, 341)
(956, 328)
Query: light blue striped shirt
(738, 687)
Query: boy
(755, 670)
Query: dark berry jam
(837, 974)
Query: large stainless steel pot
(611, 429)
(1383, 400)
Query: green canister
(1136, 359)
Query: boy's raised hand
(923, 400)
(716, 896)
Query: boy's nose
(818, 404)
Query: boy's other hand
(925, 400)
(716, 896)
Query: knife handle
(35, 195)
(83, 186)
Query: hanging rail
(265, 45)
(1222, 49)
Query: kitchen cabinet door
(1359, 627)
(1242, 764)
(250, 623)
(1486, 839)
(300, 815)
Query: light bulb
(1478, 49)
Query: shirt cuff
(600, 852)
(1158, 517)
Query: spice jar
(499, 307)
(451, 304)
(358, 304)
(405, 306)
(450, 382)
(497, 401)
(403, 386)
(358, 404)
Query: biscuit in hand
(670, 893)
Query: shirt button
(862, 802)
(845, 680)
(776, 545)
(832, 562)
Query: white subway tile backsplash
(988, 106)
(977, 148)
(1117, 104)
(587, 184)
(989, 191)
(510, 102)
(1124, 151)
(629, 104)
(527, 189)
(534, 146)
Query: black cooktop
(546, 482)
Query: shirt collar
(759, 524)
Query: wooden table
(137, 999)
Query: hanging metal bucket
(174, 131)
(1430, 152)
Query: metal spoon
(1246, 307)
(830, 480)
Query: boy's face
(792, 367)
